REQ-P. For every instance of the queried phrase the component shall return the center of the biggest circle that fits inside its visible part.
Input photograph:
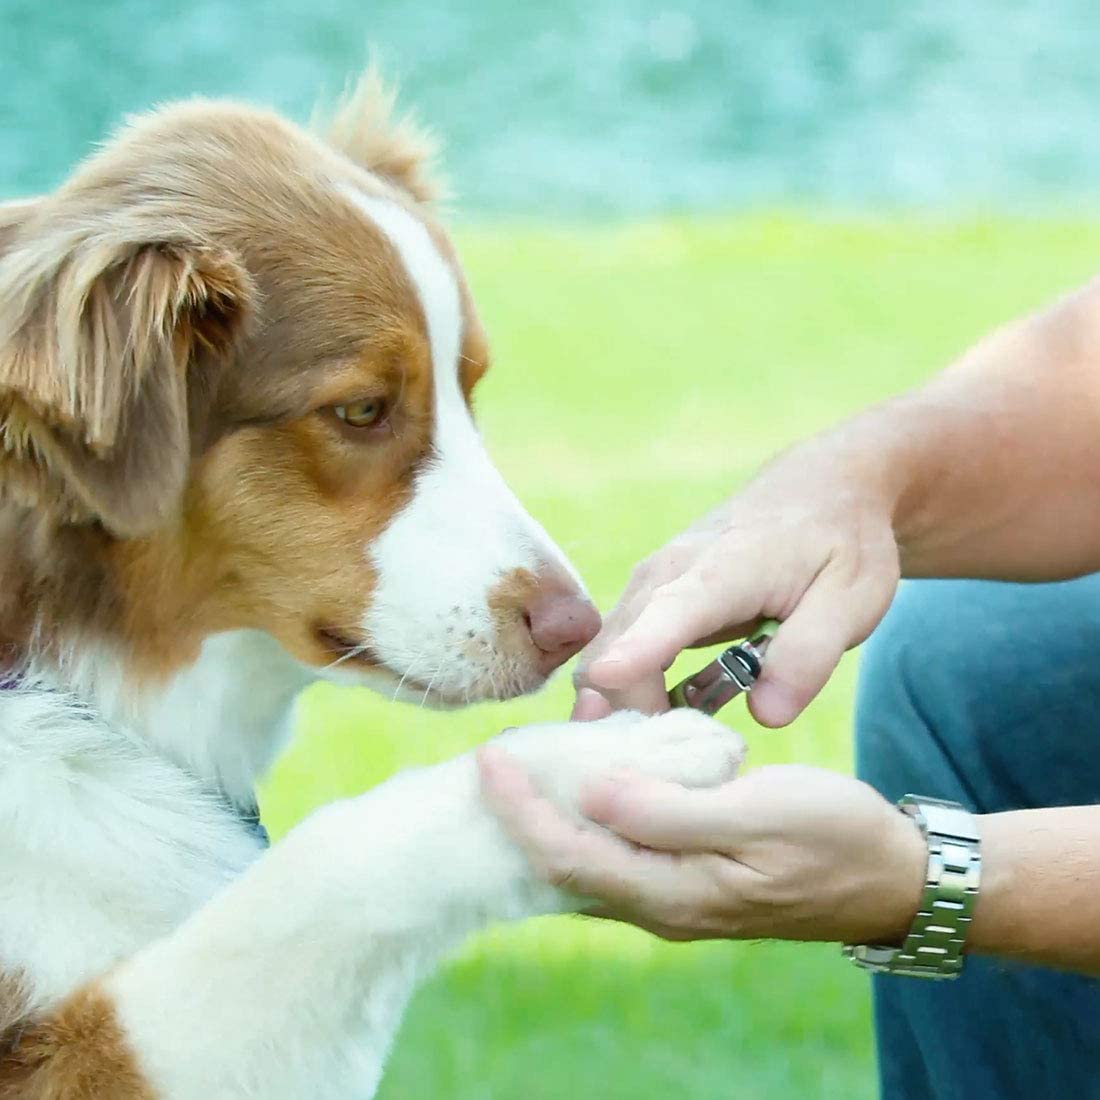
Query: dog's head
(243, 356)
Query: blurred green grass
(641, 373)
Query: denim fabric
(987, 693)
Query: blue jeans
(986, 693)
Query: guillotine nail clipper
(733, 671)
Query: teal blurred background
(696, 233)
(595, 107)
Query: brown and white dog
(236, 456)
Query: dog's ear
(108, 348)
(364, 126)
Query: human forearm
(799, 853)
(991, 469)
(1040, 896)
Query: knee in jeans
(912, 690)
(985, 692)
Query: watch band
(934, 946)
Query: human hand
(787, 852)
(809, 542)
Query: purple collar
(9, 681)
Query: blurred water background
(590, 108)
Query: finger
(590, 706)
(676, 617)
(804, 653)
(597, 866)
(545, 834)
(648, 696)
(660, 815)
(588, 863)
(615, 623)
(504, 784)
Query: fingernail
(590, 705)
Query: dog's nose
(561, 622)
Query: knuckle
(736, 892)
(558, 868)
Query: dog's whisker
(355, 651)
(405, 675)
(431, 684)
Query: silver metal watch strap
(934, 946)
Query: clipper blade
(732, 672)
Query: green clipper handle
(733, 671)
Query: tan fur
(76, 1053)
(176, 323)
(364, 127)
(15, 1010)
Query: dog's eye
(362, 414)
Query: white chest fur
(106, 845)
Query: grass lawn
(641, 373)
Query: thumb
(677, 616)
(589, 706)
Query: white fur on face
(463, 531)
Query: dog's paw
(682, 746)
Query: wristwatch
(934, 946)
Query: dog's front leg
(291, 983)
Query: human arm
(992, 469)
